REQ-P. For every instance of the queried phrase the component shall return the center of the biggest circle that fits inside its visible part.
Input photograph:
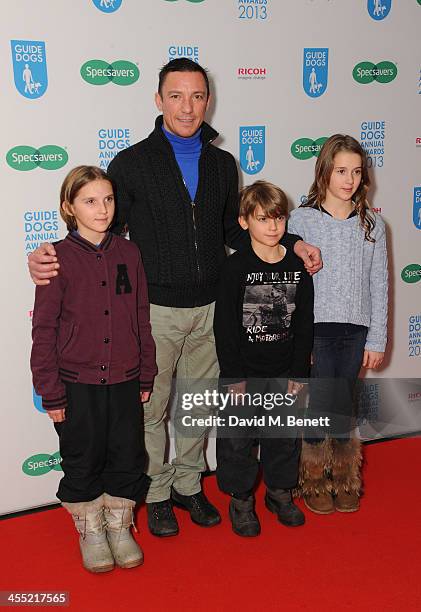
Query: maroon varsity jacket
(91, 323)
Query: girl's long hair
(323, 171)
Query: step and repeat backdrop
(78, 85)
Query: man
(178, 195)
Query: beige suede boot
(346, 474)
(118, 513)
(314, 484)
(89, 522)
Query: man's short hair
(181, 64)
(271, 198)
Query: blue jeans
(336, 363)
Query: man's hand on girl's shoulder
(43, 264)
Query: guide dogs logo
(30, 67)
(416, 214)
(315, 71)
(189, 51)
(107, 6)
(367, 72)
(252, 148)
(37, 399)
(40, 464)
(304, 148)
(379, 9)
(120, 72)
(48, 157)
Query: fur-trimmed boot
(346, 474)
(313, 480)
(118, 513)
(89, 522)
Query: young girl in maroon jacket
(93, 363)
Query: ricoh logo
(305, 148)
(252, 148)
(253, 9)
(315, 71)
(418, 141)
(372, 135)
(419, 82)
(40, 464)
(110, 142)
(30, 67)
(48, 157)
(414, 397)
(248, 73)
(40, 226)
(416, 210)
(107, 6)
(377, 209)
(411, 273)
(193, 1)
(379, 9)
(367, 72)
(120, 72)
(191, 52)
(414, 335)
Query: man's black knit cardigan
(182, 242)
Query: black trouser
(237, 465)
(102, 443)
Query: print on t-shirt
(268, 304)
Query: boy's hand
(372, 360)
(294, 387)
(144, 396)
(237, 389)
(58, 416)
(310, 255)
(42, 264)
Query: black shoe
(161, 519)
(201, 510)
(244, 520)
(280, 502)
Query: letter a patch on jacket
(122, 284)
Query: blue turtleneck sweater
(187, 152)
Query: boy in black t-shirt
(264, 334)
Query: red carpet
(369, 560)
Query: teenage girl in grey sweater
(350, 308)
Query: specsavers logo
(120, 72)
(37, 465)
(305, 148)
(411, 273)
(367, 72)
(48, 157)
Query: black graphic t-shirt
(264, 317)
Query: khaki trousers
(185, 343)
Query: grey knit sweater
(352, 286)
